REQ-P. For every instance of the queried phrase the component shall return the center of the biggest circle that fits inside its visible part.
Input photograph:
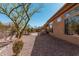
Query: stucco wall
(58, 31)
(58, 27)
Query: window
(71, 12)
(72, 25)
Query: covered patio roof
(65, 8)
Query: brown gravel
(45, 45)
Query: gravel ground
(28, 45)
(46, 45)
(43, 45)
(27, 48)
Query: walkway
(28, 44)
(46, 45)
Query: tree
(20, 15)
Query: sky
(39, 19)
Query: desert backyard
(34, 29)
(41, 45)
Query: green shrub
(17, 47)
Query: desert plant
(17, 47)
(20, 15)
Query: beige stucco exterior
(58, 27)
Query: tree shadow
(46, 45)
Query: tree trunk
(17, 46)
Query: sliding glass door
(72, 25)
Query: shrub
(17, 47)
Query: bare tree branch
(15, 8)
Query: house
(63, 23)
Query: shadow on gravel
(45, 45)
(3, 44)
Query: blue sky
(39, 19)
